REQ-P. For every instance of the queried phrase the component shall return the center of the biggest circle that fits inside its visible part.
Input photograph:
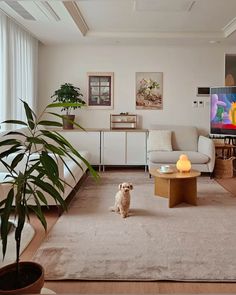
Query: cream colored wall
(184, 69)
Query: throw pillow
(159, 140)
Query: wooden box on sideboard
(123, 121)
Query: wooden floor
(111, 287)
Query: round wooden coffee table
(177, 186)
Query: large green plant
(38, 149)
(67, 93)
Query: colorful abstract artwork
(223, 110)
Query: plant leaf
(21, 210)
(50, 123)
(41, 197)
(2, 203)
(48, 188)
(9, 142)
(58, 140)
(4, 220)
(16, 160)
(34, 140)
(64, 105)
(54, 149)
(49, 165)
(29, 114)
(61, 116)
(15, 133)
(18, 122)
(76, 153)
(38, 211)
(12, 150)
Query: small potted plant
(67, 93)
(37, 150)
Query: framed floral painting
(149, 90)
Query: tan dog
(122, 199)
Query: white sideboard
(136, 148)
(85, 141)
(124, 147)
(111, 147)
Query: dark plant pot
(31, 278)
(67, 124)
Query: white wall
(184, 69)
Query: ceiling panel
(127, 21)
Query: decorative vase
(30, 280)
(68, 121)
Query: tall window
(18, 69)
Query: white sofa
(63, 173)
(183, 140)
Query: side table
(178, 187)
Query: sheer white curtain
(19, 56)
(3, 67)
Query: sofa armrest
(21, 164)
(206, 146)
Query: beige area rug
(27, 235)
(229, 183)
(196, 243)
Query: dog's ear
(120, 186)
(131, 186)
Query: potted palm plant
(37, 149)
(67, 93)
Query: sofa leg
(150, 176)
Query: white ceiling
(127, 21)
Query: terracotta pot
(66, 123)
(31, 278)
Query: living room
(124, 40)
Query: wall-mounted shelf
(120, 121)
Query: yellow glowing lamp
(183, 164)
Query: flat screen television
(223, 110)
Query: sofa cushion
(184, 138)
(173, 157)
(159, 140)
